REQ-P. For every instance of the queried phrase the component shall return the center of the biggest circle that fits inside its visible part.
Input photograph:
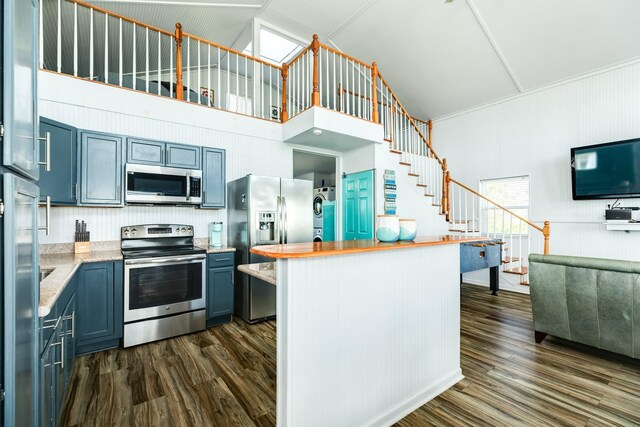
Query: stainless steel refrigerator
(264, 210)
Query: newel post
(546, 230)
(374, 92)
(445, 189)
(315, 95)
(430, 127)
(179, 87)
(284, 72)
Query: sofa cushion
(582, 304)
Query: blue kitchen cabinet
(101, 169)
(220, 290)
(57, 354)
(214, 178)
(147, 152)
(183, 156)
(99, 306)
(19, 86)
(60, 183)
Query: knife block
(82, 247)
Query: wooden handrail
(179, 87)
(299, 55)
(228, 49)
(406, 113)
(117, 15)
(344, 55)
(541, 229)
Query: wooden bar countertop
(344, 247)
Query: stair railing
(319, 76)
(471, 213)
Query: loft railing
(92, 43)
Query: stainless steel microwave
(161, 185)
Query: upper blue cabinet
(168, 154)
(101, 169)
(19, 97)
(60, 182)
(213, 178)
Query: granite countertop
(264, 270)
(64, 265)
(318, 249)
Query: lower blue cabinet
(100, 306)
(220, 291)
(57, 355)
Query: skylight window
(274, 48)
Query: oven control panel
(156, 231)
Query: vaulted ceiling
(439, 57)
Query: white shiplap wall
(532, 135)
(147, 117)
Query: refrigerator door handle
(279, 219)
(285, 221)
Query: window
(274, 48)
(511, 193)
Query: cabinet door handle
(47, 220)
(47, 148)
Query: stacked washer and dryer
(320, 195)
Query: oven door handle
(190, 259)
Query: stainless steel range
(164, 282)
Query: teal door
(358, 209)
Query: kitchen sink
(44, 272)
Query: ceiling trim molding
(494, 44)
(592, 73)
(349, 20)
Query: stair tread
(436, 204)
(463, 231)
(395, 151)
(525, 283)
(413, 174)
(405, 164)
(430, 195)
(518, 270)
(508, 260)
(422, 185)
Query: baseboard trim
(404, 408)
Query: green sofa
(587, 300)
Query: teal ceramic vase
(408, 229)
(387, 228)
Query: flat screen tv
(606, 171)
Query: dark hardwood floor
(226, 376)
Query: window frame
(486, 211)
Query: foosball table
(481, 255)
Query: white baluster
(146, 73)
(106, 48)
(90, 44)
(133, 57)
(172, 43)
(238, 83)
(228, 90)
(187, 92)
(209, 101)
(59, 40)
(246, 90)
(75, 38)
(199, 74)
(119, 51)
(262, 90)
(335, 104)
(218, 80)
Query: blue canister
(215, 234)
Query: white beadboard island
(367, 331)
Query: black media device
(606, 171)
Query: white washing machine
(317, 235)
(320, 195)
